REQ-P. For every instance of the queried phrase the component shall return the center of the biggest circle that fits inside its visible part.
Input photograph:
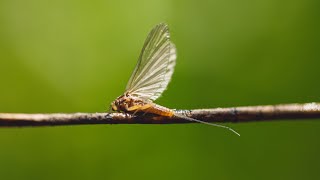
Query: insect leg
(146, 107)
(143, 108)
(132, 108)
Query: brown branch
(234, 114)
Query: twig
(235, 114)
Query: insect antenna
(204, 122)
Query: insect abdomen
(160, 110)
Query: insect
(151, 77)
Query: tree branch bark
(221, 115)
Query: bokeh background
(77, 56)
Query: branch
(222, 115)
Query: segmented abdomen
(160, 110)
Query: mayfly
(151, 77)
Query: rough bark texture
(234, 114)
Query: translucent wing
(155, 65)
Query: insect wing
(155, 65)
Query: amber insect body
(129, 104)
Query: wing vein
(155, 65)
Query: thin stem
(221, 115)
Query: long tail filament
(204, 122)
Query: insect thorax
(124, 102)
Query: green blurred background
(76, 56)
